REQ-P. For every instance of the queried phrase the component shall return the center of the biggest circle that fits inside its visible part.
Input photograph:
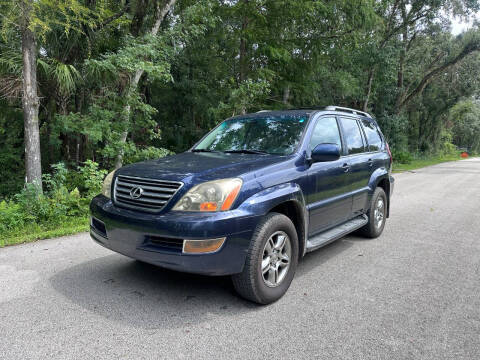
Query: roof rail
(261, 111)
(349, 110)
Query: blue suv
(252, 197)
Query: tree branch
(114, 17)
(161, 13)
(467, 50)
(412, 39)
(9, 20)
(395, 30)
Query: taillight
(389, 153)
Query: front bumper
(130, 233)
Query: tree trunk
(79, 98)
(31, 103)
(243, 52)
(161, 13)
(77, 149)
(242, 76)
(50, 116)
(123, 139)
(371, 73)
(286, 95)
(403, 56)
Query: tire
(374, 227)
(251, 283)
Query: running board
(337, 232)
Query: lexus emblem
(136, 192)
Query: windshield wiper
(203, 150)
(247, 151)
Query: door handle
(346, 167)
(370, 162)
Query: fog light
(202, 246)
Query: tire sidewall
(377, 231)
(277, 222)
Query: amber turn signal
(202, 246)
(227, 204)
(208, 206)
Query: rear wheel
(377, 215)
(271, 261)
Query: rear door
(357, 158)
(375, 145)
(328, 203)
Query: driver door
(328, 203)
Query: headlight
(107, 185)
(217, 195)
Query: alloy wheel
(276, 258)
(379, 212)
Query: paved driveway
(414, 293)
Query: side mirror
(325, 152)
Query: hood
(207, 166)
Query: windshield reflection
(268, 134)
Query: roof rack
(349, 110)
(308, 108)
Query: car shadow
(149, 297)
(314, 260)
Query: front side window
(353, 136)
(325, 131)
(373, 137)
(275, 134)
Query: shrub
(67, 196)
(57, 179)
(446, 146)
(402, 157)
(147, 153)
(91, 178)
(33, 206)
(11, 216)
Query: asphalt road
(413, 293)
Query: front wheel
(377, 215)
(271, 261)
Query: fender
(379, 175)
(264, 201)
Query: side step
(337, 232)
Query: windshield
(269, 134)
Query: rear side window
(353, 136)
(326, 131)
(373, 137)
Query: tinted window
(373, 137)
(326, 131)
(272, 134)
(353, 136)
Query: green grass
(420, 163)
(38, 232)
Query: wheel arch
(285, 199)
(381, 178)
(293, 210)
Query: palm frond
(44, 66)
(66, 76)
(11, 62)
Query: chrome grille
(152, 196)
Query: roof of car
(309, 111)
(295, 112)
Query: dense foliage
(122, 81)
(64, 204)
